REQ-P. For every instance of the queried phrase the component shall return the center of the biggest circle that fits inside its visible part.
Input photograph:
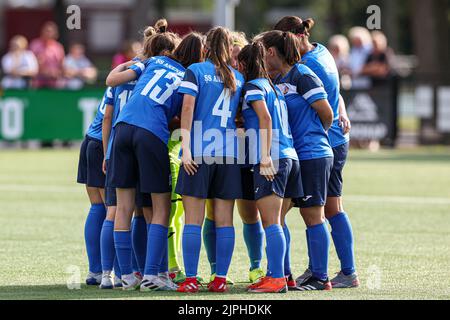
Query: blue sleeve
(189, 85)
(311, 88)
(175, 108)
(138, 68)
(109, 96)
(252, 93)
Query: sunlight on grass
(402, 240)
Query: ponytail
(253, 57)
(150, 33)
(295, 25)
(286, 44)
(219, 43)
(161, 25)
(308, 24)
(291, 48)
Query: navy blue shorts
(248, 187)
(110, 197)
(212, 181)
(315, 177)
(138, 156)
(287, 183)
(335, 186)
(143, 200)
(90, 164)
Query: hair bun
(149, 31)
(161, 25)
(308, 24)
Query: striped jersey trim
(189, 85)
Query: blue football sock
(124, 251)
(209, 240)
(342, 234)
(225, 246)
(287, 255)
(192, 242)
(117, 271)
(319, 240)
(309, 250)
(254, 238)
(156, 245)
(92, 230)
(268, 273)
(134, 264)
(139, 236)
(108, 252)
(164, 264)
(276, 249)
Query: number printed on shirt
(153, 88)
(224, 113)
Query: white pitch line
(347, 198)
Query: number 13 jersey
(155, 100)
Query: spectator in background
(130, 50)
(340, 48)
(377, 65)
(50, 55)
(361, 41)
(78, 69)
(19, 64)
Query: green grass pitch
(398, 201)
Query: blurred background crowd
(44, 63)
(396, 80)
(363, 58)
(52, 60)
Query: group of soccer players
(195, 126)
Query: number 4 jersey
(214, 129)
(154, 101)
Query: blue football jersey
(120, 94)
(214, 129)
(282, 142)
(322, 63)
(95, 129)
(154, 97)
(301, 88)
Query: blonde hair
(239, 39)
(361, 33)
(20, 42)
(341, 42)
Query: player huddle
(197, 125)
